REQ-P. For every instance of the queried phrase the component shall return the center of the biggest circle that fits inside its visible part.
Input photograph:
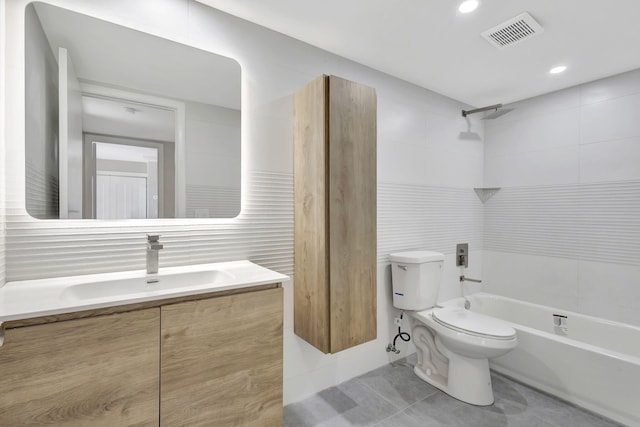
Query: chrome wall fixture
(497, 111)
(495, 107)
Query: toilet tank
(415, 278)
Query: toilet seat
(471, 323)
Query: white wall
(74, 144)
(41, 139)
(212, 155)
(70, 124)
(426, 172)
(564, 231)
(2, 145)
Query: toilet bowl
(453, 344)
(463, 342)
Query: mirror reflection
(121, 124)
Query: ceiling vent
(513, 31)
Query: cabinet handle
(1, 334)
(402, 267)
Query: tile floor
(392, 396)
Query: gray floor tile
(338, 399)
(398, 384)
(371, 407)
(400, 420)
(307, 413)
(348, 404)
(392, 396)
(410, 360)
(441, 409)
(507, 395)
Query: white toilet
(453, 345)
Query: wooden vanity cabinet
(335, 213)
(100, 371)
(212, 360)
(222, 361)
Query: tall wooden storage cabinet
(335, 213)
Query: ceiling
(118, 117)
(431, 44)
(108, 54)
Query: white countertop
(42, 297)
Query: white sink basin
(43, 297)
(149, 283)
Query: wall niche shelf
(485, 193)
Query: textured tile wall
(424, 217)
(263, 233)
(564, 230)
(590, 222)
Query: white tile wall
(557, 138)
(2, 147)
(613, 87)
(609, 290)
(542, 280)
(548, 130)
(423, 142)
(614, 160)
(543, 167)
(568, 208)
(610, 119)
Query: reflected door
(125, 177)
(121, 197)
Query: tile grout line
(416, 402)
(382, 397)
(401, 410)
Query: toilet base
(468, 380)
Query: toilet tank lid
(416, 257)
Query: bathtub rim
(629, 358)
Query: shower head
(496, 113)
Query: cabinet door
(311, 240)
(352, 213)
(222, 361)
(101, 371)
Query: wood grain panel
(222, 361)
(352, 213)
(101, 371)
(311, 266)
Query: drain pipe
(404, 336)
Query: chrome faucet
(153, 246)
(467, 303)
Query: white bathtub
(594, 363)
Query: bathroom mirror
(121, 124)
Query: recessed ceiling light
(468, 6)
(557, 70)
